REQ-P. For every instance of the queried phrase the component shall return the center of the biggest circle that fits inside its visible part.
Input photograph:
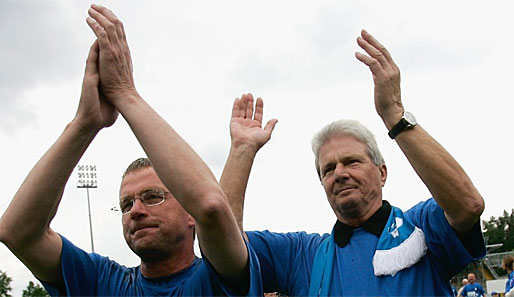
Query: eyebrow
(146, 190)
(344, 158)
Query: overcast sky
(193, 58)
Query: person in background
(473, 289)
(464, 283)
(508, 265)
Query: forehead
(139, 180)
(340, 146)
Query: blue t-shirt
(88, 274)
(286, 259)
(473, 290)
(510, 282)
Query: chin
(149, 254)
(349, 209)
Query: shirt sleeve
(285, 259)
(255, 288)
(78, 270)
(450, 253)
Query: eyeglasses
(148, 198)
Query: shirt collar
(374, 225)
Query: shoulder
(300, 239)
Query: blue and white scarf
(400, 246)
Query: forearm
(24, 227)
(192, 183)
(234, 179)
(36, 201)
(444, 178)
(182, 171)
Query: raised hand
(246, 124)
(386, 76)
(94, 111)
(115, 61)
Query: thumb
(270, 125)
(92, 59)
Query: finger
(259, 110)
(235, 108)
(242, 106)
(103, 39)
(249, 107)
(270, 126)
(109, 27)
(372, 63)
(372, 51)
(109, 14)
(92, 59)
(374, 42)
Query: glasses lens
(126, 205)
(153, 197)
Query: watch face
(409, 117)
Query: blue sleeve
(510, 282)
(285, 260)
(255, 288)
(449, 253)
(78, 270)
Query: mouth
(345, 190)
(142, 228)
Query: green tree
(34, 290)
(500, 230)
(5, 284)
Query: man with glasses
(162, 204)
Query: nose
(341, 173)
(138, 210)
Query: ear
(190, 221)
(383, 174)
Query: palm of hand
(248, 131)
(108, 112)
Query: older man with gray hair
(374, 249)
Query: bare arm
(182, 171)
(443, 176)
(247, 137)
(36, 202)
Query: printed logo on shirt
(393, 229)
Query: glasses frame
(141, 198)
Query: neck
(361, 218)
(168, 266)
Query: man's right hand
(246, 129)
(94, 111)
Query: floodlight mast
(87, 180)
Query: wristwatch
(406, 122)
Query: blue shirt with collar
(286, 259)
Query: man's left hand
(386, 76)
(115, 63)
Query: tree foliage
(5, 284)
(500, 230)
(34, 290)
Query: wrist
(243, 150)
(392, 117)
(120, 98)
(84, 129)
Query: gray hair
(137, 164)
(347, 127)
